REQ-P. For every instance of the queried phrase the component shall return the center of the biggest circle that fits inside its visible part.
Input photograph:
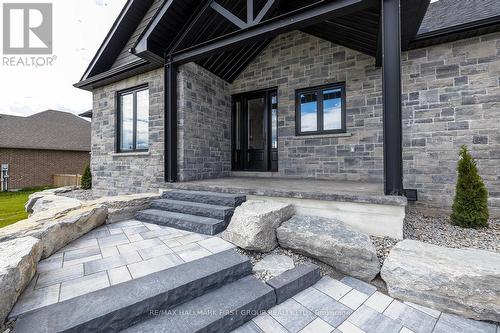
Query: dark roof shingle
(448, 13)
(48, 130)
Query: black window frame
(119, 95)
(318, 90)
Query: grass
(12, 205)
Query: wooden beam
(294, 20)
(391, 94)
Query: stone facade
(451, 96)
(204, 124)
(114, 173)
(296, 60)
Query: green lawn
(12, 205)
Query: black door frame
(239, 161)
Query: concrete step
(123, 305)
(211, 198)
(221, 310)
(194, 208)
(198, 224)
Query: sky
(79, 27)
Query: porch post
(170, 156)
(391, 59)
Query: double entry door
(255, 131)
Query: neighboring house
(41, 145)
(187, 90)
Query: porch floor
(346, 191)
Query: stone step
(211, 198)
(221, 310)
(194, 208)
(120, 306)
(198, 224)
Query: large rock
(51, 205)
(462, 281)
(124, 207)
(33, 198)
(18, 261)
(334, 243)
(253, 225)
(57, 231)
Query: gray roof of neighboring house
(48, 130)
(448, 13)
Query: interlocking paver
(333, 288)
(354, 299)
(348, 327)
(318, 325)
(424, 309)
(59, 275)
(83, 285)
(109, 251)
(292, 315)
(190, 238)
(323, 306)
(249, 327)
(268, 324)
(153, 265)
(134, 230)
(155, 251)
(359, 285)
(51, 263)
(216, 244)
(143, 244)
(125, 224)
(371, 321)
(104, 264)
(80, 243)
(378, 301)
(451, 323)
(191, 252)
(113, 240)
(119, 275)
(81, 253)
(37, 298)
(410, 317)
(406, 330)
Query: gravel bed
(438, 230)
(84, 195)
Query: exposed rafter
(251, 19)
(272, 27)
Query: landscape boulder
(124, 207)
(461, 281)
(57, 231)
(253, 225)
(332, 242)
(33, 198)
(18, 260)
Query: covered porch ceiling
(181, 26)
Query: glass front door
(255, 131)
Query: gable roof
(47, 130)
(450, 13)
(157, 24)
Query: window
(320, 110)
(133, 120)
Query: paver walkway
(353, 306)
(112, 254)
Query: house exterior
(36, 147)
(351, 90)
